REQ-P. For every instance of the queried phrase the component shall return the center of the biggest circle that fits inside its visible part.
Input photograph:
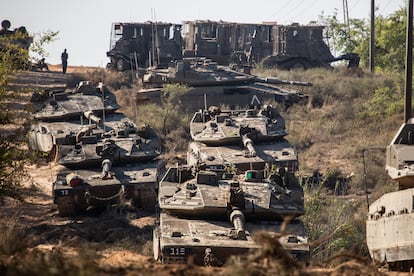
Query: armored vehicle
(217, 127)
(124, 144)
(140, 45)
(78, 144)
(65, 105)
(389, 235)
(239, 140)
(75, 191)
(281, 46)
(213, 213)
(390, 238)
(219, 84)
(299, 46)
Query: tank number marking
(64, 192)
(174, 251)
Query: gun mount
(220, 212)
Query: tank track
(66, 206)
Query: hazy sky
(84, 25)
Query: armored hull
(75, 191)
(208, 196)
(217, 83)
(182, 240)
(389, 227)
(280, 153)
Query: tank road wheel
(148, 199)
(121, 65)
(66, 206)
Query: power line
(291, 10)
(304, 8)
(279, 10)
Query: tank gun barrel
(90, 116)
(271, 80)
(248, 143)
(237, 219)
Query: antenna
(409, 63)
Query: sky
(84, 26)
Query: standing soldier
(64, 57)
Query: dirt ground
(109, 242)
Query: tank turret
(73, 104)
(228, 206)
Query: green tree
(389, 35)
(37, 49)
(14, 55)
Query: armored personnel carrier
(66, 105)
(214, 214)
(389, 235)
(75, 191)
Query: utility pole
(372, 42)
(346, 18)
(409, 63)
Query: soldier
(64, 58)
(41, 64)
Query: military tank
(76, 191)
(241, 139)
(124, 144)
(209, 213)
(219, 84)
(65, 105)
(217, 127)
(56, 139)
(389, 235)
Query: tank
(107, 158)
(58, 138)
(210, 213)
(216, 84)
(76, 191)
(390, 218)
(217, 127)
(125, 143)
(240, 140)
(72, 104)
